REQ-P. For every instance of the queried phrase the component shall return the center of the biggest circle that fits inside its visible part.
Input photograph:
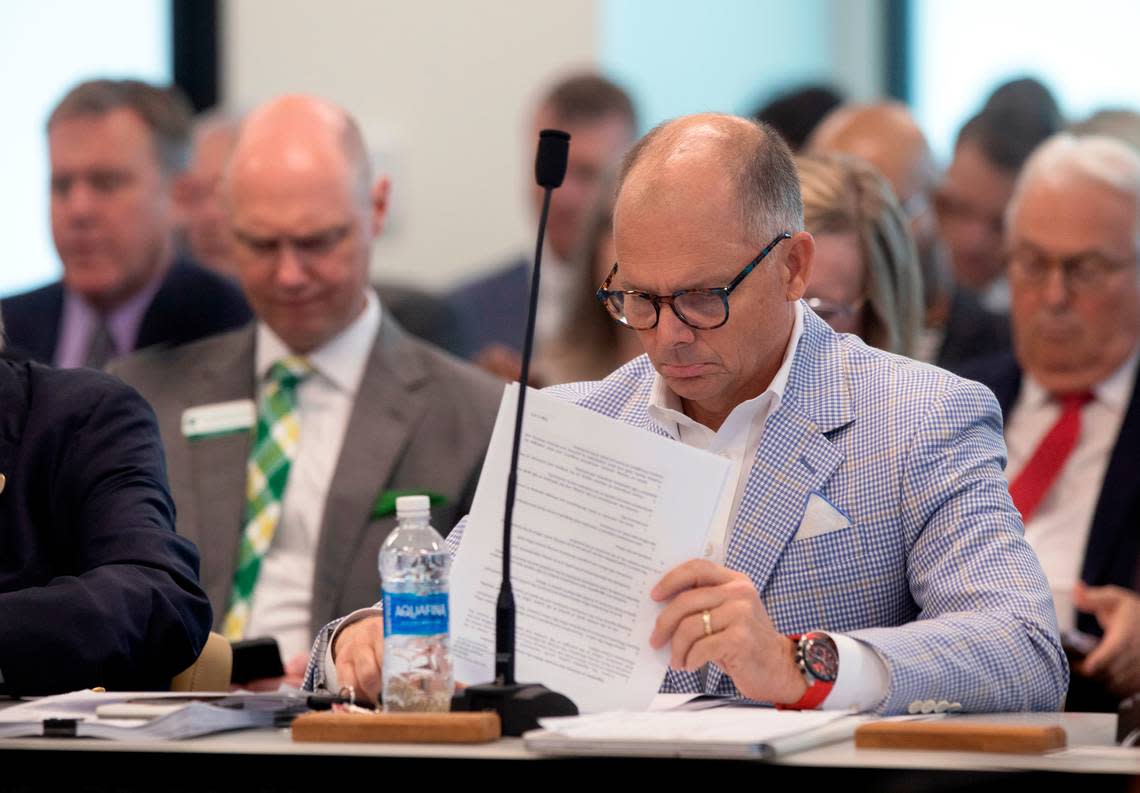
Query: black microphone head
(550, 162)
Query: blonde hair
(842, 193)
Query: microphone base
(519, 705)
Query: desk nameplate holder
(961, 736)
(398, 727)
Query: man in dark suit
(957, 327)
(116, 148)
(349, 409)
(96, 589)
(602, 123)
(1071, 398)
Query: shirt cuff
(863, 679)
(328, 663)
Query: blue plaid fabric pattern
(933, 573)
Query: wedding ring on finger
(706, 618)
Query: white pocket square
(820, 517)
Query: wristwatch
(818, 660)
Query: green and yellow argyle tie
(266, 476)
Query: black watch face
(821, 658)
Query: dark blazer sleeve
(121, 606)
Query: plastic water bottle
(414, 567)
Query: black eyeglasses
(701, 309)
(1085, 272)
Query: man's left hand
(741, 639)
(1116, 660)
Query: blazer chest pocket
(823, 563)
(822, 551)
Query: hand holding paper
(736, 635)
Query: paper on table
(602, 510)
(724, 724)
(193, 719)
(726, 731)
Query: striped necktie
(267, 473)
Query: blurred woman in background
(590, 344)
(865, 279)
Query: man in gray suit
(287, 441)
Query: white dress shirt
(996, 296)
(282, 599)
(863, 677)
(1058, 531)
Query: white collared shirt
(863, 677)
(282, 599)
(1059, 529)
(737, 439)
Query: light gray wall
(441, 88)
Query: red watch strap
(815, 695)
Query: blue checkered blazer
(933, 572)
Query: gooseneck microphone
(521, 706)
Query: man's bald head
(704, 202)
(303, 217)
(887, 136)
(711, 145)
(304, 133)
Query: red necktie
(1043, 468)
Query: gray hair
(1096, 158)
(762, 167)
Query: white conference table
(280, 763)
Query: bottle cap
(412, 506)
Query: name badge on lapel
(221, 418)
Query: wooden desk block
(960, 736)
(398, 727)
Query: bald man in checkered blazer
(873, 557)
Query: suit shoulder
(992, 370)
(173, 363)
(625, 389)
(507, 276)
(192, 284)
(34, 298)
(28, 315)
(464, 381)
(77, 393)
(882, 381)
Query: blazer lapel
(385, 414)
(794, 459)
(218, 470)
(1110, 524)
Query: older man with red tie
(1071, 404)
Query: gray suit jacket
(422, 422)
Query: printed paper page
(603, 510)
